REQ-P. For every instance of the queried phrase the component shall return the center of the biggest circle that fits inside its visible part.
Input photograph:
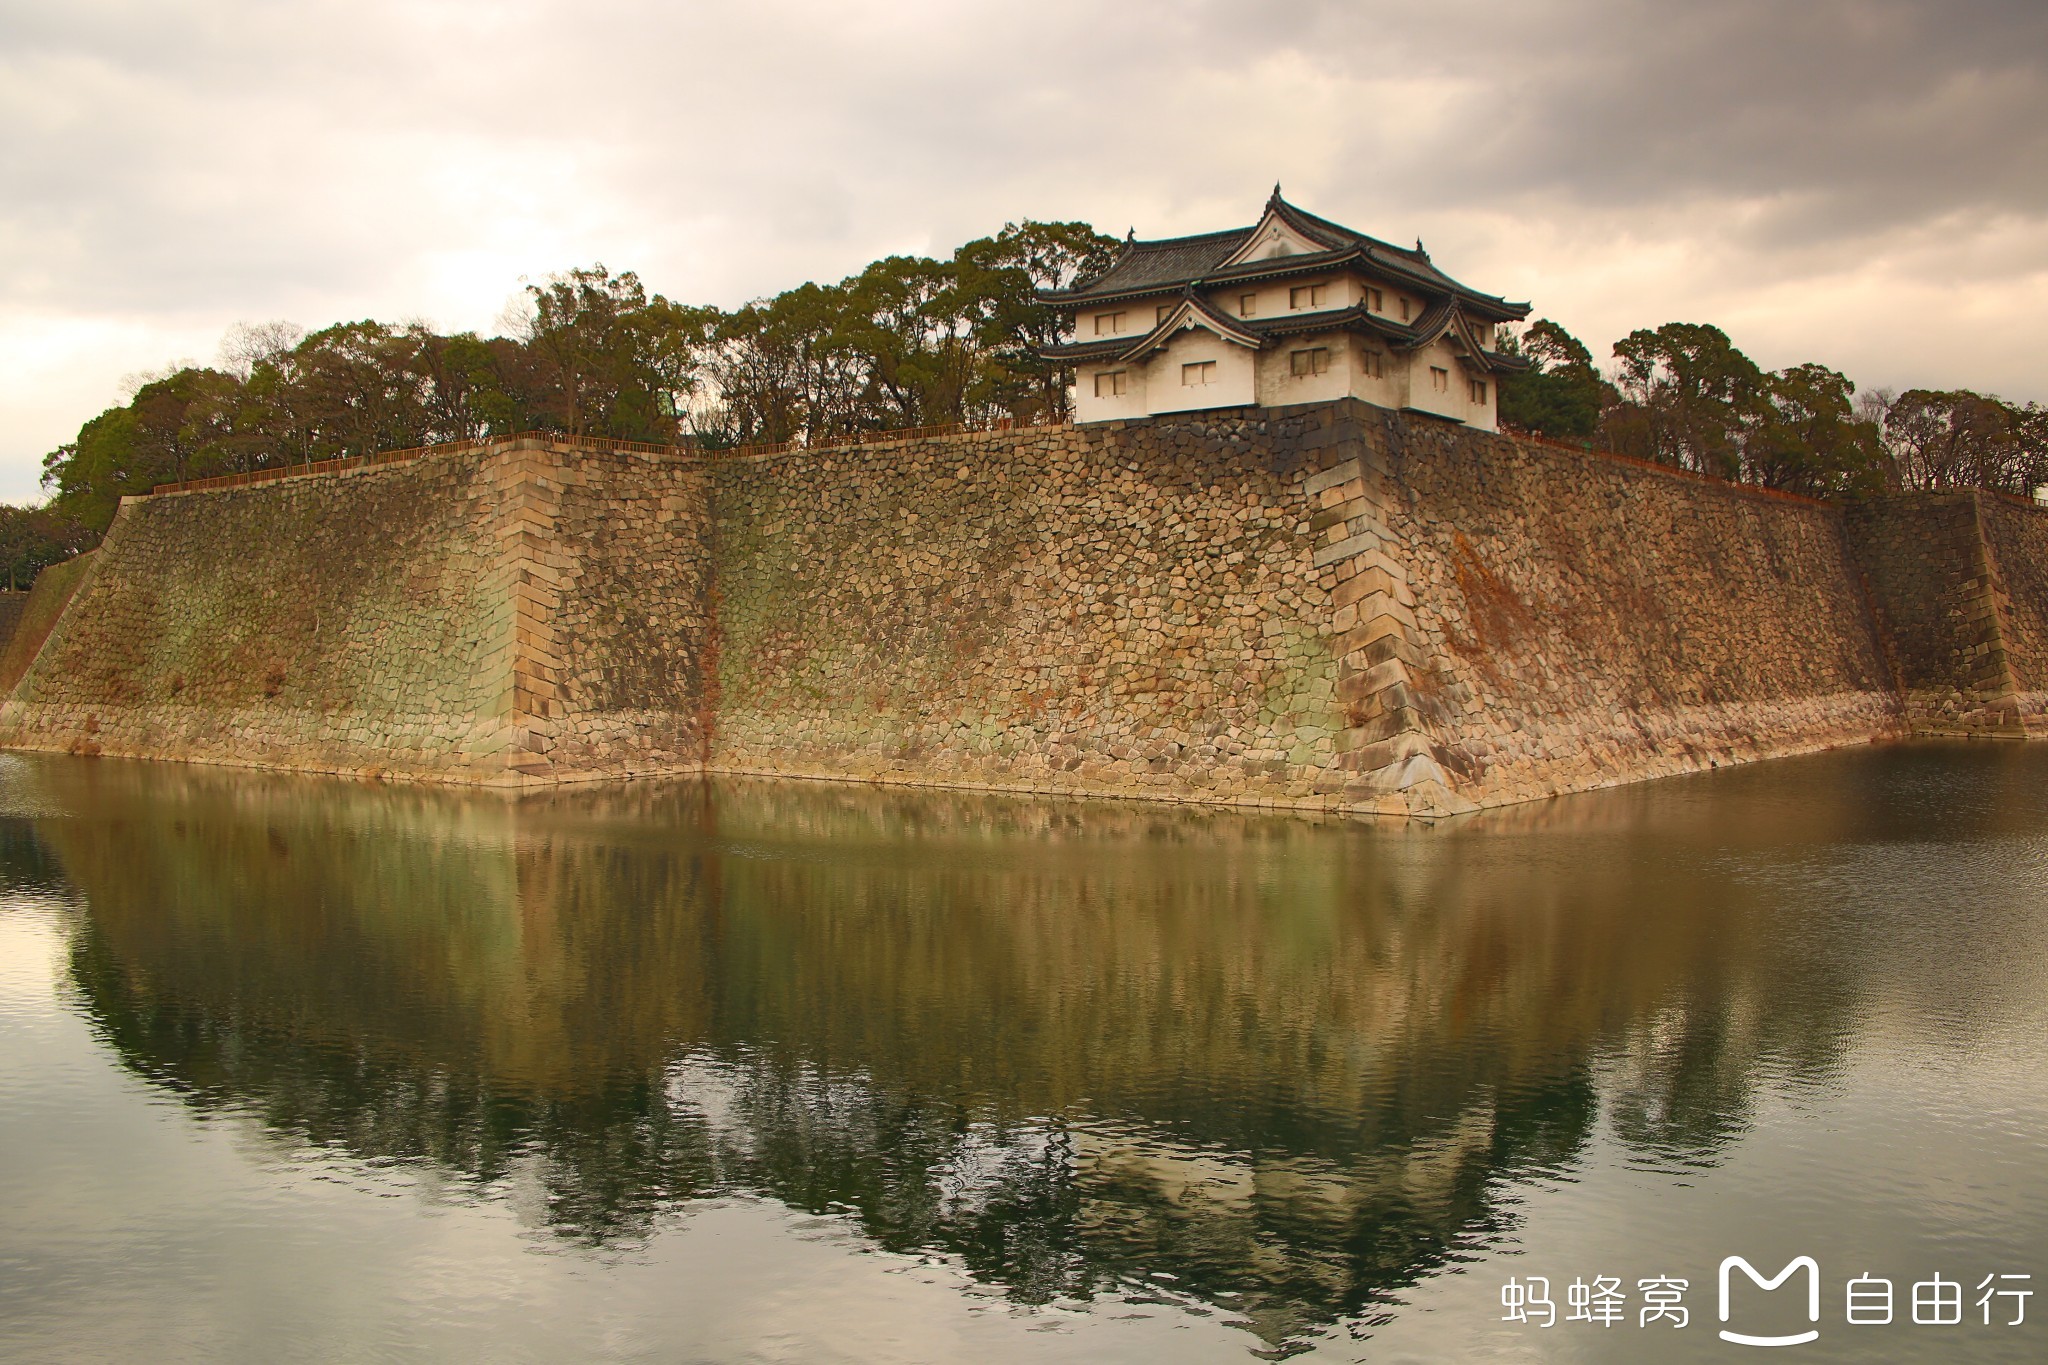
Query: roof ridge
(1143, 242)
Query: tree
(1811, 440)
(249, 344)
(1960, 439)
(131, 449)
(1561, 395)
(1688, 398)
(611, 349)
(907, 325)
(998, 278)
(33, 538)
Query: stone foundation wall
(44, 604)
(515, 612)
(1333, 607)
(1581, 620)
(1098, 609)
(608, 551)
(12, 605)
(1943, 608)
(2016, 536)
(352, 622)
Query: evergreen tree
(1560, 395)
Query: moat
(297, 1068)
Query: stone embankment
(1331, 607)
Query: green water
(298, 1069)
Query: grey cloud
(185, 163)
(1856, 113)
(253, 147)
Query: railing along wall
(697, 451)
(685, 450)
(1676, 471)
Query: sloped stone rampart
(348, 623)
(1129, 610)
(1958, 585)
(44, 604)
(613, 623)
(519, 612)
(1581, 620)
(2016, 537)
(12, 606)
(1332, 607)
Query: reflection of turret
(1280, 1062)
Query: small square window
(1374, 300)
(1315, 360)
(1196, 373)
(1371, 364)
(1440, 379)
(1478, 388)
(1247, 305)
(1108, 324)
(1159, 313)
(1110, 384)
(1305, 296)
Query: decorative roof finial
(1276, 189)
(1418, 247)
(1131, 236)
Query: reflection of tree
(1284, 1065)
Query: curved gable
(1191, 312)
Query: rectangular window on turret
(1110, 385)
(1305, 296)
(1439, 379)
(1372, 299)
(1371, 364)
(1247, 305)
(1196, 373)
(1108, 324)
(1404, 308)
(1159, 313)
(1478, 390)
(1315, 360)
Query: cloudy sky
(1858, 182)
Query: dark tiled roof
(1172, 262)
(1169, 261)
(1356, 319)
(1109, 348)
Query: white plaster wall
(1235, 375)
(1278, 384)
(1225, 300)
(1486, 415)
(1451, 401)
(1137, 321)
(1390, 390)
(1089, 408)
(1339, 291)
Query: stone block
(1346, 548)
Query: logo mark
(1798, 1263)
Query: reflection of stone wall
(1329, 607)
(1281, 1060)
